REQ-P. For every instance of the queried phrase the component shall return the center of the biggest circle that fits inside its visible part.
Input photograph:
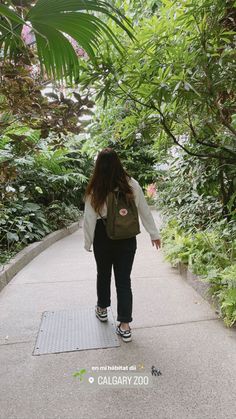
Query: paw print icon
(155, 371)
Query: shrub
(210, 254)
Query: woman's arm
(146, 215)
(89, 224)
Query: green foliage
(24, 101)
(56, 54)
(227, 298)
(42, 186)
(223, 287)
(179, 79)
(61, 215)
(196, 232)
(189, 191)
(62, 175)
(133, 147)
(21, 222)
(213, 247)
(211, 254)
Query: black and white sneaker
(101, 313)
(125, 334)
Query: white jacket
(90, 216)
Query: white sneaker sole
(102, 319)
(128, 339)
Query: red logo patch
(123, 212)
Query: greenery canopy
(49, 21)
(177, 81)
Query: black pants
(119, 254)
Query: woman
(109, 175)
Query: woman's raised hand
(156, 243)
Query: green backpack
(122, 218)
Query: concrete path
(173, 329)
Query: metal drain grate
(74, 330)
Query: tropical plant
(189, 190)
(21, 222)
(50, 24)
(28, 99)
(60, 215)
(42, 186)
(227, 299)
(211, 254)
(134, 149)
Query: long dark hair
(107, 175)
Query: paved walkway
(173, 329)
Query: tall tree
(179, 78)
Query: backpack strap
(103, 220)
(116, 194)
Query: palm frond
(52, 20)
(56, 54)
(9, 26)
(100, 6)
(8, 13)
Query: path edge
(201, 287)
(21, 259)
